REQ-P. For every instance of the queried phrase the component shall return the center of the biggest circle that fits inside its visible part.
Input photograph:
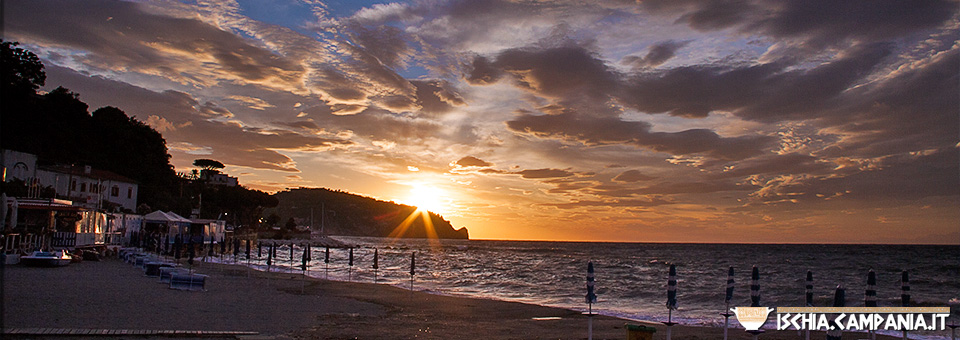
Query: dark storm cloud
(631, 176)
(472, 161)
(553, 72)
(657, 54)
(605, 131)
(378, 124)
(774, 164)
(483, 72)
(543, 173)
(669, 188)
(621, 203)
(123, 36)
(913, 109)
(388, 44)
(436, 96)
(765, 92)
(897, 178)
(814, 22)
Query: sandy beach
(113, 295)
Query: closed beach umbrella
(291, 252)
(840, 297)
(223, 245)
(591, 296)
(413, 268)
(905, 289)
(809, 287)
(303, 261)
(248, 249)
(376, 264)
(730, 285)
(413, 264)
(259, 249)
(270, 255)
(755, 288)
(870, 298)
(672, 288)
(839, 300)
(351, 257)
(326, 256)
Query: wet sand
(112, 295)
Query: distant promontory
(341, 213)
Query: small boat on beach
(58, 258)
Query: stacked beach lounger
(169, 273)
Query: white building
(217, 178)
(84, 185)
(90, 187)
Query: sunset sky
(653, 121)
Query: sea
(631, 278)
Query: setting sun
(426, 197)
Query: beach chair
(152, 268)
(165, 273)
(188, 281)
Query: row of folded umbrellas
(870, 295)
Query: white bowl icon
(752, 318)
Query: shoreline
(113, 295)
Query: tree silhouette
(20, 70)
(208, 164)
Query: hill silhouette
(343, 213)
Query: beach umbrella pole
(591, 297)
(726, 320)
(953, 331)
(729, 296)
(590, 321)
(669, 324)
(905, 294)
(671, 299)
